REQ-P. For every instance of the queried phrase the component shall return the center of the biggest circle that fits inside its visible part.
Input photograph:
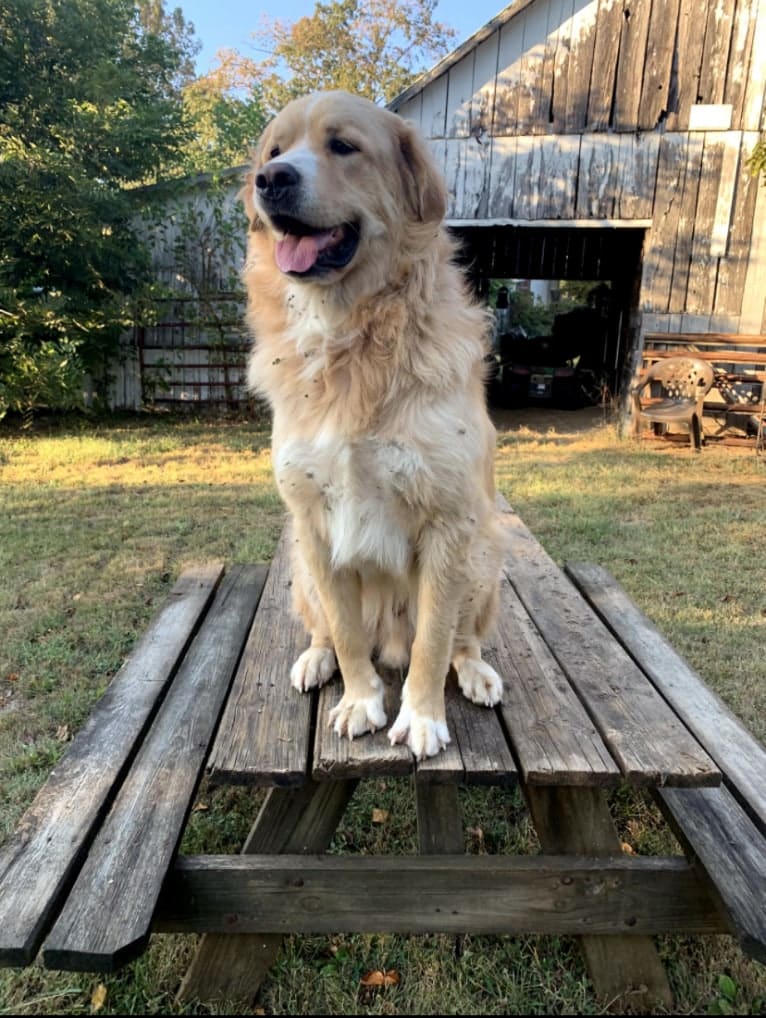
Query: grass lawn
(96, 522)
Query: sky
(229, 23)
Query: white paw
(356, 715)
(479, 682)
(313, 668)
(425, 736)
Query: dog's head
(337, 184)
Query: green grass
(97, 522)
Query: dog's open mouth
(303, 250)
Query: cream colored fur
(382, 447)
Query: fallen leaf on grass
(379, 816)
(98, 998)
(380, 977)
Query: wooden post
(624, 969)
(232, 966)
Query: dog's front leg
(422, 720)
(340, 593)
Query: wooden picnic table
(594, 697)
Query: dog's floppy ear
(424, 186)
(246, 197)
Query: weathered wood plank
(660, 47)
(704, 265)
(483, 89)
(533, 100)
(263, 738)
(733, 853)
(107, 916)
(232, 966)
(554, 739)
(502, 178)
(755, 86)
(336, 757)
(465, 171)
(719, 236)
(40, 858)
(580, 64)
(440, 823)
(684, 90)
(435, 894)
(598, 173)
(630, 66)
(715, 52)
(561, 57)
(459, 96)
(657, 275)
(606, 48)
(740, 756)
(578, 820)
(740, 239)
(642, 733)
(557, 33)
(509, 75)
(433, 113)
(478, 753)
(743, 59)
(687, 199)
(637, 174)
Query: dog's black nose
(277, 181)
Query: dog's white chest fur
(360, 494)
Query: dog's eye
(342, 148)
(274, 152)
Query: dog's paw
(425, 736)
(313, 668)
(356, 715)
(479, 682)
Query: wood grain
(41, 856)
(642, 733)
(437, 893)
(263, 738)
(108, 913)
(740, 756)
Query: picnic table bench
(594, 696)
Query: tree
(225, 113)
(757, 160)
(374, 48)
(89, 107)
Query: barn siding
(579, 110)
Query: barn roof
(443, 65)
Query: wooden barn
(607, 140)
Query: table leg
(232, 966)
(623, 968)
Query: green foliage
(373, 48)
(757, 160)
(225, 112)
(727, 999)
(89, 106)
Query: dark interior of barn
(583, 356)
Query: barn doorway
(572, 296)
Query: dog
(370, 353)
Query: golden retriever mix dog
(370, 353)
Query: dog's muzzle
(302, 248)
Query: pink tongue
(298, 254)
